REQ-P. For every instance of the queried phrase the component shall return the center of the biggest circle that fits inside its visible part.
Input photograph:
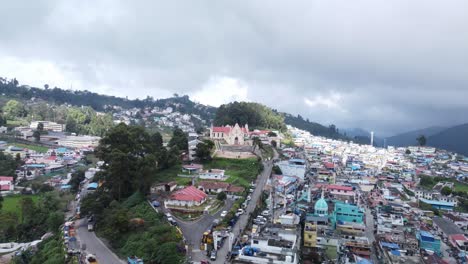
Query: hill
(453, 139)
(256, 115)
(409, 138)
(314, 128)
(12, 90)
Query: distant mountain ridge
(453, 139)
(409, 138)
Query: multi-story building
(345, 212)
(48, 126)
(293, 168)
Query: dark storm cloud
(382, 65)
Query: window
(255, 241)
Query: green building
(345, 212)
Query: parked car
(216, 222)
(224, 213)
(248, 198)
(266, 213)
(213, 255)
(259, 221)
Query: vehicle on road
(265, 213)
(156, 204)
(91, 259)
(240, 212)
(134, 260)
(244, 204)
(168, 215)
(223, 213)
(213, 255)
(90, 226)
(259, 221)
(172, 221)
(251, 190)
(216, 222)
(249, 198)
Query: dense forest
(12, 89)
(257, 116)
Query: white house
(213, 174)
(189, 196)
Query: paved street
(193, 231)
(94, 245)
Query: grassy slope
(241, 171)
(11, 203)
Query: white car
(248, 198)
(266, 213)
(223, 213)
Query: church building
(233, 135)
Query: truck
(90, 226)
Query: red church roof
(227, 129)
(189, 194)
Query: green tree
(446, 190)
(272, 134)
(274, 144)
(179, 139)
(277, 170)
(204, 149)
(40, 127)
(14, 109)
(221, 196)
(408, 152)
(37, 135)
(7, 165)
(421, 140)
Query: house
(428, 241)
(340, 192)
(213, 186)
(459, 241)
(345, 212)
(233, 135)
(233, 190)
(212, 174)
(189, 196)
(164, 187)
(293, 168)
(6, 183)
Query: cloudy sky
(382, 65)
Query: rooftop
(447, 227)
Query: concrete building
(428, 241)
(293, 168)
(79, 141)
(48, 126)
(213, 174)
(344, 212)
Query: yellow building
(310, 235)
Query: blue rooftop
(390, 245)
(425, 234)
(93, 185)
(61, 150)
(431, 202)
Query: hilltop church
(233, 135)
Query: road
(94, 245)
(193, 231)
(369, 232)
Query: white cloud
(332, 101)
(219, 90)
